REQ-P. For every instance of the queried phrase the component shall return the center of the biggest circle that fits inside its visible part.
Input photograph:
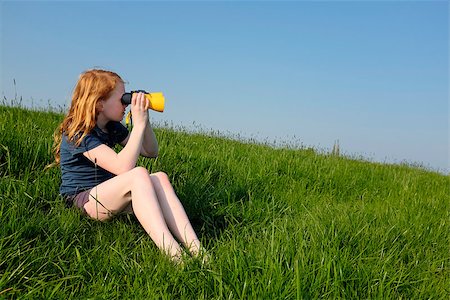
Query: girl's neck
(101, 123)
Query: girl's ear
(99, 106)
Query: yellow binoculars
(156, 100)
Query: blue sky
(371, 74)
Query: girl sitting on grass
(102, 182)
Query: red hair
(92, 87)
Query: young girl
(102, 182)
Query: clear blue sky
(373, 74)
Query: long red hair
(92, 86)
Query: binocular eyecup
(126, 98)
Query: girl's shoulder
(76, 146)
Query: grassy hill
(278, 224)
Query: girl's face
(112, 108)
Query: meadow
(278, 223)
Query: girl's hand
(139, 109)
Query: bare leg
(174, 213)
(112, 196)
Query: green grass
(278, 224)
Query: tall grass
(278, 224)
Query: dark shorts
(78, 200)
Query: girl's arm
(149, 144)
(126, 159)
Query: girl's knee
(139, 175)
(139, 171)
(161, 179)
(162, 176)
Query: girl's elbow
(151, 154)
